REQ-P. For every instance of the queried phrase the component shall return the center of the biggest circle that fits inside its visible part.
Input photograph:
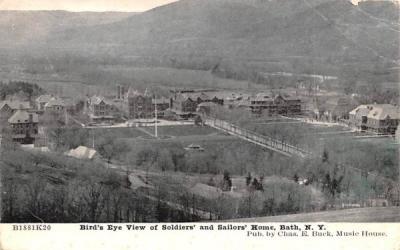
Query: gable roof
(384, 111)
(377, 111)
(96, 100)
(22, 116)
(195, 95)
(263, 97)
(44, 98)
(54, 102)
(183, 97)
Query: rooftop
(54, 102)
(44, 98)
(82, 152)
(96, 100)
(22, 116)
(377, 111)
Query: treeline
(95, 70)
(29, 90)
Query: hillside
(235, 36)
(30, 27)
(249, 30)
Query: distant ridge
(305, 35)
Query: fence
(262, 140)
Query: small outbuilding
(83, 153)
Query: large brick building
(8, 108)
(100, 109)
(378, 118)
(185, 103)
(24, 126)
(275, 104)
(139, 105)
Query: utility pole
(155, 120)
(93, 138)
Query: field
(91, 80)
(186, 130)
(119, 133)
(362, 151)
(297, 132)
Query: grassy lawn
(120, 133)
(186, 130)
(209, 143)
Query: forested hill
(32, 27)
(335, 30)
(305, 36)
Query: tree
(110, 148)
(296, 178)
(93, 199)
(256, 185)
(269, 207)
(332, 184)
(16, 87)
(198, 121)
(325, 156)
(227, 182)
(164, 160)
(248, 179)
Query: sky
(82, 5)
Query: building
(24, 126)
(139, 106)
(41, 101)
(162, 104)
(55, 105)
(377, 118)
(235, 100)
(184, 104)
(206, 108)
(8, 108)
(83, 153)
(120, 93)
(275, 104)
(101, 110)
(333, 109)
